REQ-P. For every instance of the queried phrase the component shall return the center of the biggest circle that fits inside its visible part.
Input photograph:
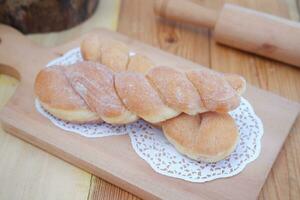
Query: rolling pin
(239, 27)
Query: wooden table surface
(29, 173)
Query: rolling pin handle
(186, 12)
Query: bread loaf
(129, 86)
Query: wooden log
(37, 16)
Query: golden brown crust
(53, 89)
(108, 52)
(160, 95)
(95, 84)
(139, 97)
(77, 116)
(176, 90)
(207, 137)
(90, 48)
(115, 55)
(237, 82)
(139, 63)
(216, 93)
(215, 90)
(51, 82)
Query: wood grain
(239, 27)
(104, 190)
(186, 12)
(137, 19)
(283, 180)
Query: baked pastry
(113, 54)
(93, 47)
(56, 95)
(176, 90)
(94, 83)
(139, 63)
(208, 137)
(120, 98)
(216, 93)
(89, 89)
(108, 52)
(140, 97)
(164, 96)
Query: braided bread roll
(164, 93)
(93, 92)
(57, 96)
(208, 137)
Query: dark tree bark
(32, 16)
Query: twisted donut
(58, 97)
(207, 137)
(192, 92)
(160, 94)
(164, 93)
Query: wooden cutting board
(113, 158)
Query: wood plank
(104, 190)
(138, 21)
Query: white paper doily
(151, 145)
(86, 130)
(155, 149)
